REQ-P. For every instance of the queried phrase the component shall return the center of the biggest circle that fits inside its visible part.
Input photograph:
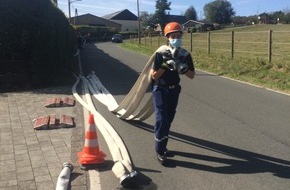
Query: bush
(95, 33)
(192, 30)
(39, 33)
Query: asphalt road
(226, 134)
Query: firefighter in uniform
(170, 62)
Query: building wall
(109, 24)
(128, 25)
(94, 21)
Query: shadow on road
(112, 72)
(140, 181)
(242, 162)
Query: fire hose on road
(128, 107)
(104, 96)
(64, 176)
(123, 167)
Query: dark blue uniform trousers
(165, 102)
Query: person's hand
(170, 64)
(182, 68)
(167, 55)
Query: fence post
(191, 41)
(270, 46)
(208, 43)
(145, 39)
(233, 44)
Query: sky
(178, 7)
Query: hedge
(39, 33)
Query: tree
(190, 13)
(277, 17)
(159, 15)
(240, 20)
(147, 19)
(219, 11)
(287, 18)
(264, 18)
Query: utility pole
(69, 10)
(69, 3)
(76, 15)
(139, 28)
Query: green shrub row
(96, 33)
(39, 33)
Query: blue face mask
(175, 43)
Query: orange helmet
(172, 27)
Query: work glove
(182, 68)
(169, 64)
(167, 55)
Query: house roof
(121, 15)
(89, 19)
(192, 22)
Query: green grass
(250, 61)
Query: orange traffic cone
(91, 153)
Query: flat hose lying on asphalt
(64, 176)
(104, 96)
(123, 167)
(125, 110)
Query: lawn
(248, 62)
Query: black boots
(161, 158)
(168, 153)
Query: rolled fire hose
(123, 167)
(64, 176)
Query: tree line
(218, 11)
